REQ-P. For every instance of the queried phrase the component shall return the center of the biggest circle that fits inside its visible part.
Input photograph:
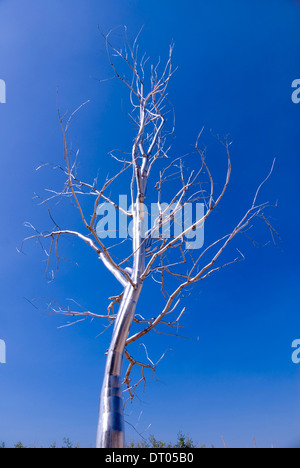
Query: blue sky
(234, 375)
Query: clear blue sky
(237, 60)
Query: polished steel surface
(111, 422)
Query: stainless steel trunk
(111, 433)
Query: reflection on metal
(111, 424)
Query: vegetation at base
(182, 442)
(66, 445)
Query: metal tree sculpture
(153, 252)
